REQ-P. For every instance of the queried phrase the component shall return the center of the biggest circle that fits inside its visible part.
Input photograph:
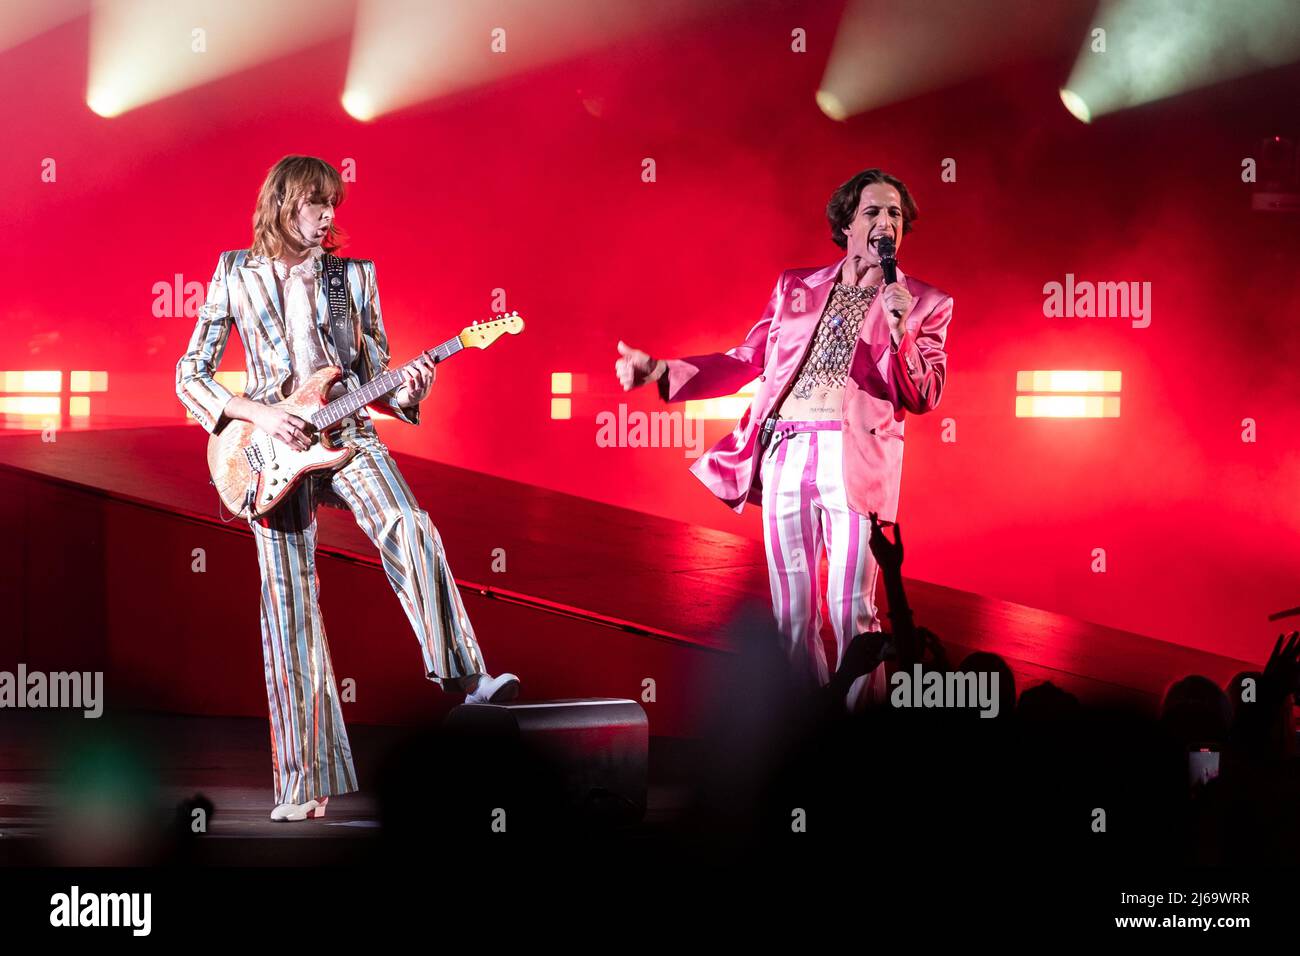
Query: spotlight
(105, 103)
(1075, 104)
(830, 104)
(358, 105)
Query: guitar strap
(336, 284)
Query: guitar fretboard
(339, 409)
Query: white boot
(494, 690)
(292, 812)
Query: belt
(774, 430)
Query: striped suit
(310, 751)
(244, 294)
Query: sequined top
(827, 364)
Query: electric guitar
(253, 471)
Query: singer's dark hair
(844, 203)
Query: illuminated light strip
(234, 381)
(727, 408)
(1060, 380)
(32, 405)
(50, 383)
(561, 388)
(1067, 406)
(31, 381)
(88, 381)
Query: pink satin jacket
(883, 384)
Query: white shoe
(292, 812)
(494, 690)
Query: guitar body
(254, 472)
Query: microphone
(888, 264)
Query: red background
(533, 184)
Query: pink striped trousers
(806, 516)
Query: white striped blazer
(244, 294)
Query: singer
(841, 354)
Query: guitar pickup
(254, 455)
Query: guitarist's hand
(418, 378)
(287, 427)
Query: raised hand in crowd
(1282, 672)
(888, 554)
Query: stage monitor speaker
(599, 746)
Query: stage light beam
(144, 50)
(885, 52)
(1155, 49)
(409, 51)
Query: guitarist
(274, 294)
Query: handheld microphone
(888, 264)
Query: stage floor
(169, 759)
(678, 583)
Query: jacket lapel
(797, 325)
(264, 294)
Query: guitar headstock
(482, 334)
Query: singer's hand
(634, 368)
(898, 304)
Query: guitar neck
(334, 412)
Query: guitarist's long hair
(291, 182)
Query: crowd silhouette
(786, 769)
(1211, 778)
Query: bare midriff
(824, 404)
